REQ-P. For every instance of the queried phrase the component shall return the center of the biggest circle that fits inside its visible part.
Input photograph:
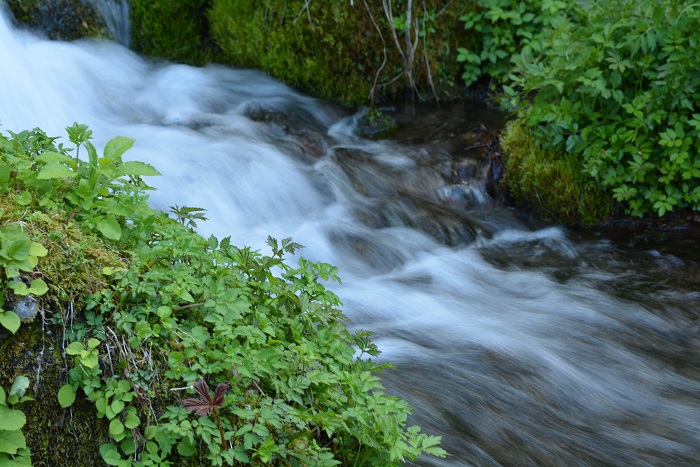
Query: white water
(511, 363)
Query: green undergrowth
(138, 317)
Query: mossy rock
(549, 182)
(59, 19)
(171, 29)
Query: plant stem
(221, 431)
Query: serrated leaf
(10, 321)
(115, 147)
(55, 157)
(11, 419)
(137, 168)
(66, 396)
(54, 170)
(109, 227)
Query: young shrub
(616, 87)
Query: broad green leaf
(3, 395)
(56, 157)
(37, 249)
(11, 419)
(137, 168)
(11, 441)
(5, 171)
(74, 348)
(109, 227)
(117, 406)
(116, 427)
(38, 287)
(10, 321)
(131, 421)
(110, 454)
(185, 447)
(91, 360)
(93, 343)
(115, 147)
(66, 395)
(55, 170)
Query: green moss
(59, 19)
(171, 29)
(549, 182)
(335, 50)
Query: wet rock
(26, 308)
(65, 20)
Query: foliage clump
(174, 313)
(610, 88)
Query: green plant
(616, 87)
(13, 446)
(501, 30)
(98, 179)
(178, 308)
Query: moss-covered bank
(352, 52)
(549, 183)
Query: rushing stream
(519, 345)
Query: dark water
(519, 344)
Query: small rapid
(518, 345)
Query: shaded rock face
(55, 436)
(64, 20)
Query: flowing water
(519, 345)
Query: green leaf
(37, 249)
(3, 395)
(10, 321)
(51, 171)
(56, 157)
(131, 421)
(11, 419)
(116, 427)
(91, 360)
(110, 454)
(117, 406)
(74, 348)
(186, 447)
(109, 227)
(137, 168)
(115, 147)
(66, 396)
(11, 441)
(38, 287)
